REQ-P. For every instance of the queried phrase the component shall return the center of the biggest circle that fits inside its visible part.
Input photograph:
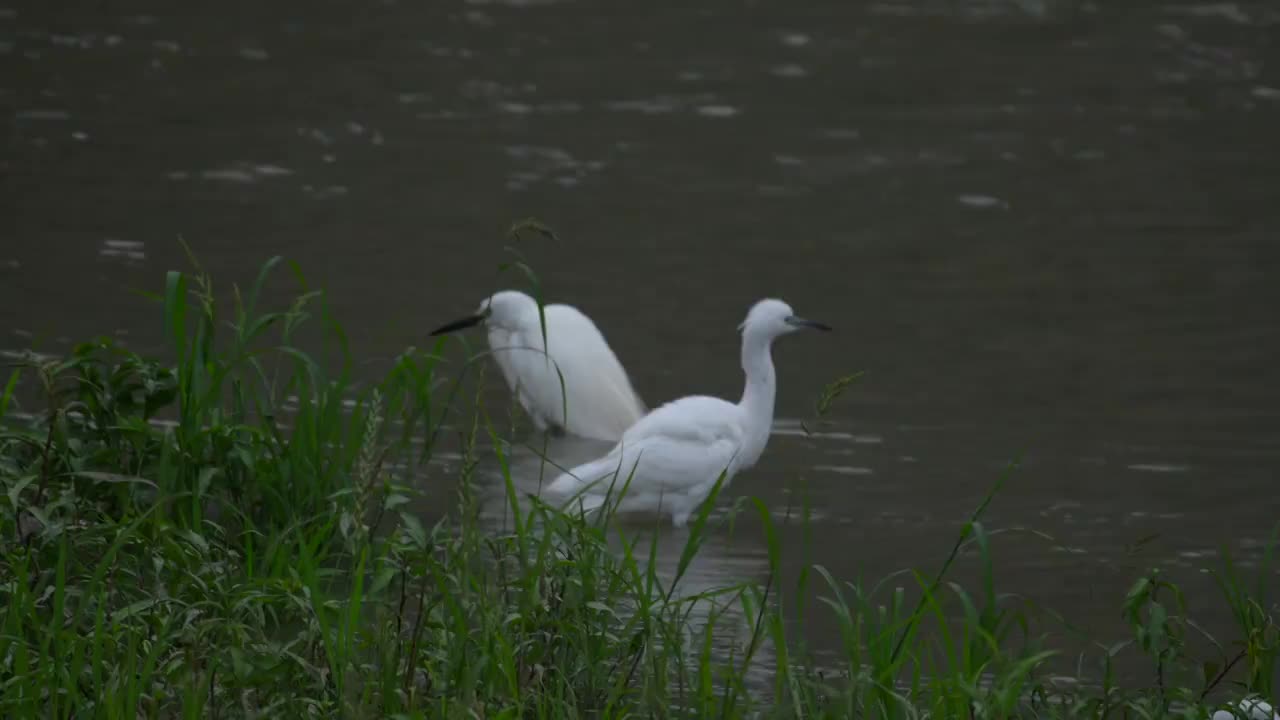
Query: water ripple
(789, 70)
(128, 250)
(844, 469)
(1158, 467)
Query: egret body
(595, 399)
(675, 454)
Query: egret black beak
(465, 322)
(803, 323)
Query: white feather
(668, 462)
(573, 381)
(595, 399)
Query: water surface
(1044, 228)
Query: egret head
(503, 309)
(773, 318)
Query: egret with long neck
(671, 460)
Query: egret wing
(676, 448)
(579, 374)
(696, 418)
(656, 466)
(499, 348)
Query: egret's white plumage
(675, 454)
(1253, 708)
(595, 400)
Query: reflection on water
(1044, 228)
(723, 563)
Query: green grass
(216, 534)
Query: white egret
(1253, 708)
(675, 454)
(596, 392)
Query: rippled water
(1045, 227)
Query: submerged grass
(229, 533)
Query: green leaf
(1209, 671)
(18, 487)
(206, 477)
(382, 579)
(197, 540)
(413, 528)
(106, 477)
(601, 607)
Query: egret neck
(759, 393)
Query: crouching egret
(596, 392)
(675, 454)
